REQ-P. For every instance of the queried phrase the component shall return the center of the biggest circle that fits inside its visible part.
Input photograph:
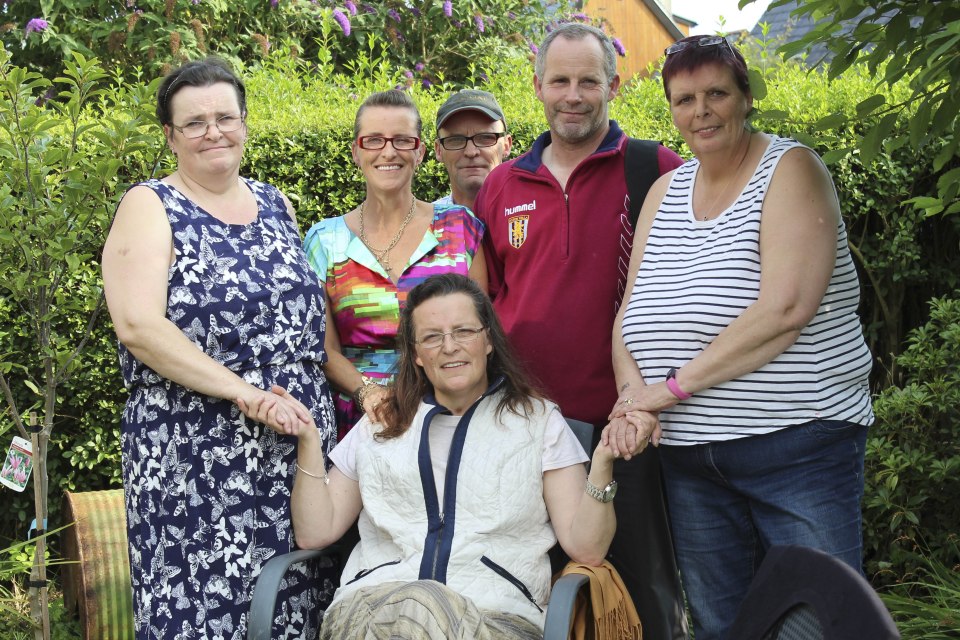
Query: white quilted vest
(491, 542)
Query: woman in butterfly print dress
(213, 302)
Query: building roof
(665, 20)
(789, 28)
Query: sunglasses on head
(706, 41)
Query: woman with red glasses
(741, 336)
(372, 256)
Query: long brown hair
(411, 385)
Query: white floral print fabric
(208, 491)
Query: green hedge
(300, 128)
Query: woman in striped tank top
(739, 348)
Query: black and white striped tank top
(697, 277)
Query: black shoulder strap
(641, 168)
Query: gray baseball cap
(470, 100)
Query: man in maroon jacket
(557, 247)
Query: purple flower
(369, 9)
(534, 49)
(35, 25)
(274, 3)
(342, 20)
(195, 1)
(418, 66)
(483, 76)
(393, 14)
(511, 15)
(408, 73)
(426, 84)
(448, 8)
(352, 8)
(478, 20)
(580, 16)
(48, 96)
(619, 47)
(458, 24)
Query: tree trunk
(39, 593)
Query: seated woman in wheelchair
(462, 481)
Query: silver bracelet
(324, 477)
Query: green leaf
(833, 121)
(870, 143)
(29, 384)
(871, 104)
(918, 124)
(758, 86)
(944, 156)
(836, 155)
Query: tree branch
(12, 405)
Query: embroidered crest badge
(517, 226)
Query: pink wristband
(674, 386)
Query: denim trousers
(730, 501)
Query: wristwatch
(601, 495)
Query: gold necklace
(730, 180)
(382, 254)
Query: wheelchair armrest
(264, 602)
(560, 610)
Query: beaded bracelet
(361, 393)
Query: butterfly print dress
(208, 491)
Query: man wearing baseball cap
(472, 139)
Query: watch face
(610, 491)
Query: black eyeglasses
(706, 41)
(199, 128)
(485, 139)
(463, 335)
(400, 143)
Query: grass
(928, 607)
(15, 620)
(17, 625)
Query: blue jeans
(730, 501)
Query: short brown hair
(693, 57)
(392, 98)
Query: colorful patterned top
(366, 304)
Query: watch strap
(598, 494)
(674, 386)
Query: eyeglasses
(198, 128)
(706, 41)
(400, 143)
(463, 335)
(485, 139)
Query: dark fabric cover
(843, 601)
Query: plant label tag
(18, 465)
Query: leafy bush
(431, 41)
(904, 257)
(62, 167)
(913, 456)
